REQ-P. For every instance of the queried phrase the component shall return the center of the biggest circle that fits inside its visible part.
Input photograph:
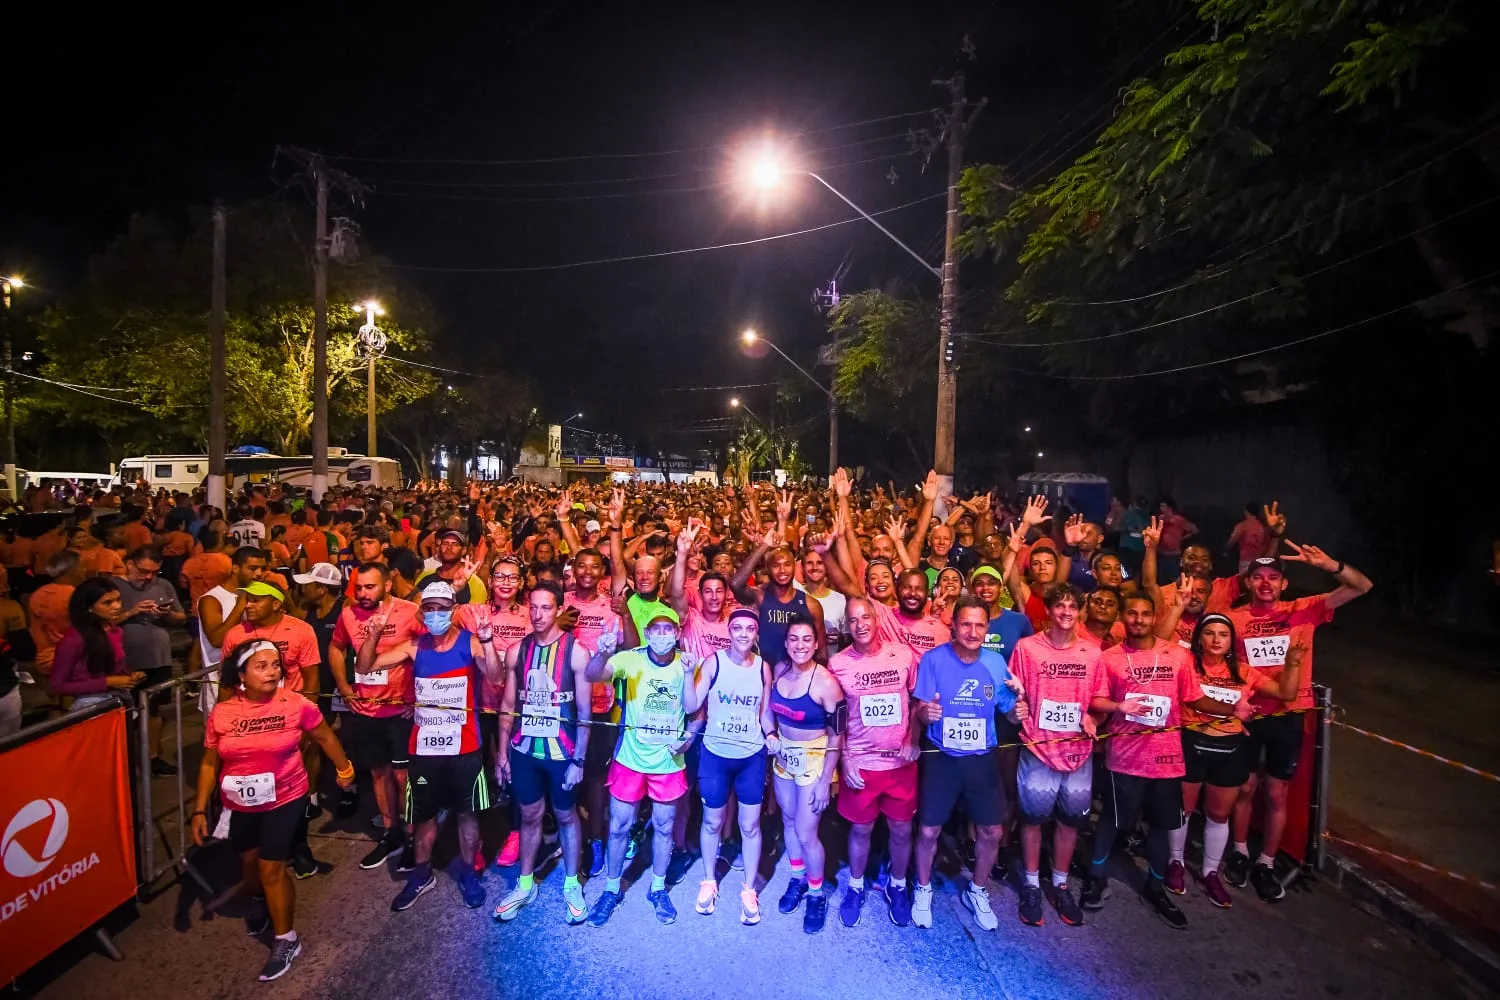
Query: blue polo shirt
(969, 692)
(1005, 630)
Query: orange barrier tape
(1456, 876)
(1418, 750)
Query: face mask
(437, 622)
(661, 643)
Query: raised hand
(771, 539)
(685, 539)
(564, 505)
(930, 485)
(1274, 518)
(819, 542)
(1312, 556)
(616, 507)
(1035, 511)
(841, 483)
(608, 643)
(1151, 533)
(482, 627)
(896, 528)
(1073, 530)
(784, 506)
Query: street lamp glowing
(1027, 428)
(373, 307)
(764, 172)
(734, 401)
(1038, 454)
(749, 336)
(14, 281)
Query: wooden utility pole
(216, 374)
(320, 335)
(959, 120)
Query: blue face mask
(437, 622)
(661, 641)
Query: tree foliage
(138, 327)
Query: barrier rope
(1418, 750)
(1424, 866)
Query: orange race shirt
(204, 572)
(1265, 640)
(295, 639)
(49, 621)
(389, 690)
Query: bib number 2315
(964, 734)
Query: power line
(718, 388)
(619, 156)
(436, 368)
(72, 388)
(1264, 350)
(662, 253)
(1244, 298)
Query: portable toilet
(1082, 492)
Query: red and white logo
(17, 858)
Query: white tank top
(733, 730)
(208, 695)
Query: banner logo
(17, 859)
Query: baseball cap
(985, 571)
(1266, 562)
(591, 526)
(452, 533)
(578, 506)
(262, 589)
(325, 573)
(664, 614)
(442, 590)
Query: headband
(743, 612)
(1210, 619)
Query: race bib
(375, 678)
(794, 760)
(1267, 650)
(539, 717)
(1154, 709)
(248, 791)
(736, 726)
(659, 729)
(439, 741)
(1230, 696)
(964, 734)
(1060, 716)
(878, 710)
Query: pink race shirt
(1265, 639)
(594, 619)
(1058, 686)
(878, 687)
(1163, 676)
(702, 637)
(510, 626)
(295, 639)
(389, 688)
(259, 745)
(918, 634)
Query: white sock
(1266, 859)
(897, 883)
(1034, 880)
(857, 883)
(1059, 879)
(1177, 841)
(288, 936)
(1241, 847)
(1215, 836)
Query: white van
(186, 473)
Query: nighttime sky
(131, 113)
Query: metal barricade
(1317, 827)
(157, 852)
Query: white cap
(591, 526)
(440, 590)
(325, 573)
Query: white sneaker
(977, 901)
(921, 905)
(510, 906)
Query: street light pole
(751, 336)
(9, 285)
(372, 344)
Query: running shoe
(816, 913)
(604, 908)
(1267, 885)
(348, 803)
(977, 901)
(1176, 879)
(408, 860)
(578, 907)
(795, 889)
(511, 904)
(1159, 901)
(283, 954)
(470, 889)
(1217, 894)
(596, 858)
(921, 906)
(411, 890)
(1066, 906)
(161, 769)
(1029, 906)
(749, 907)
(677, 867)
(708, 895)
(1095, 892)
(633, 842)
(1237, 870)
(898, 904)
(665, 911)
(305, 866)
(257, 917)
(510, 851)
(384, 848)
(314, 809)
(732, 851)
(851, 906)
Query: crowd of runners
(706, 674)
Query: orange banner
(67, 853)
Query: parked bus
(186, 473)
